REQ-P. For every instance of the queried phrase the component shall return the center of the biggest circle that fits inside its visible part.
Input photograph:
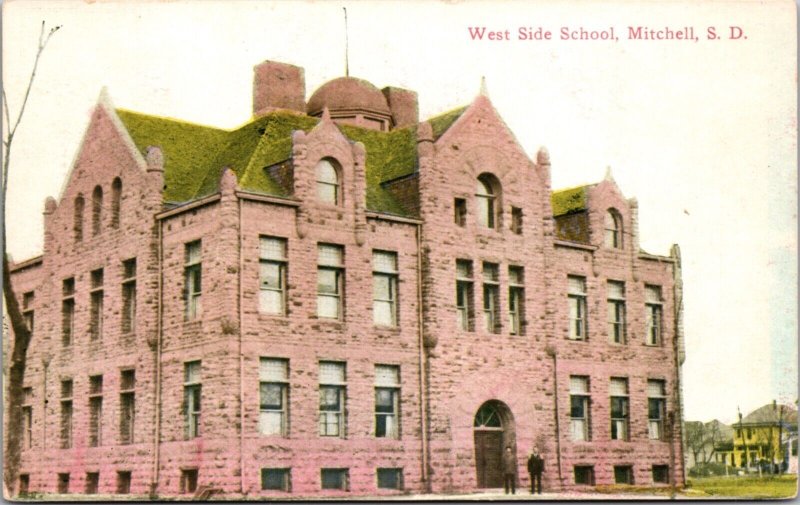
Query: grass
(780, 486)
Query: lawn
(781, 486)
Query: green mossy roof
(440, 123)
(195, 155)
(389, 155)
(188, 150)
(567, 201)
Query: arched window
(116, 196)
(328, 187)
(613, 229)
(486, 193)
(97, 209)
(487, 417)
(77, 225)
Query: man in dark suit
(535, 469)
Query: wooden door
(489, 458)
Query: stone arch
(494, 429)
(116, 198)
(97, 210)
(328, 181)
(489, 201)
(613, 229)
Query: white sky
(702, 133)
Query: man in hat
(510, 470)
(535, 469)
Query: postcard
(400, 250)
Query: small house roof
(767, 414)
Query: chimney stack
(278, 86)
(403, 105)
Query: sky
(702, 132)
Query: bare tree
(22, 333)
(695, 439)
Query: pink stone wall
(461, 369)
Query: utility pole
(744, 441)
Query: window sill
(336, 324)
(387, 329)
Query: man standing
(535, 469)
(510, 470)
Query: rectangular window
(656, 409)
(193, 276)
(384, 288)
(63, 483)
(661, 474)
(464, 298)
(516, 220)
(24, 483)
(491, 298)
(127, 406)
(92, 482)
(332, 387)
(276, 479)
(334, 478)
(273, 265)
(616, 311)
(653, 309)
(330, 281)
(584, 475)
(129, 296)
(67, 311)
(516, 300)
(95, 411)
(123, 482)
(66, 414)
(274, 393)
(618, 389)
(390, 478)
(188, 480)
(623, 474)
(578, 327)
(579, 407)
(27, 309)
(27, 418)
(387, 401)
(460, 211)
(192, 391)
(96, 305)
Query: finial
(227, 183)
(49, 205)
(326, 114)
(155, 159)
(543, 156)
(608, 176)
(484, 89)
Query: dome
(348, 93)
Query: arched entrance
(494, 430)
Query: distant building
(337, 299)
(768, 434)
(703, 439)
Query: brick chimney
(403, 104)
(278, 86)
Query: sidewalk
(524, 495)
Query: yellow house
(761, 437)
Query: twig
(10, 137)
